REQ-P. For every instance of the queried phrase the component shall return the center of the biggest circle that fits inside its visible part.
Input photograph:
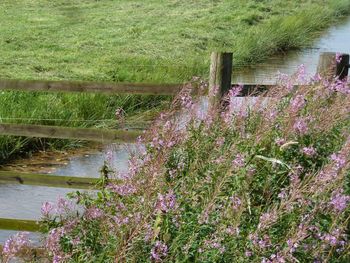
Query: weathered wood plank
(94, 87)
(88, 134)
(220, 76)
(329, 67)
(47, 180)
(19, 225)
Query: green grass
(154, 40)
(135, 41)
(73, 110)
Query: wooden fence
(220, 76)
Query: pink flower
(186, 101)
(285, 81)
(93, 213)
(301, 74)
(339, 201)
(123, 189)
(220, 141)
(248, 253)
(159, 251)
(15, 244)
(233, 231)
(339, 160)
(63, 205)
(309, 151)
(338, 57)
(316, 78)
(297, 103)
(266, 219)
(236, 202)
(166, 202)
(235, 91)
(300, 126)
(280, 141)
(239, 161)
(46, 208)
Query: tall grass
(73, 110)
(260, 180)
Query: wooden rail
(48, 180)
(88, 134)
(94, 87)
(19, 225)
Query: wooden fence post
(331, 65)
(220, 76)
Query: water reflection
(336, 39)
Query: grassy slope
(154, 40)
(161, 41)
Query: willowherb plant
(257, 180)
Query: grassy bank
(136, 41)
(72, 110)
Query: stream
(24, 202)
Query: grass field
(135, 41)
(154, 40)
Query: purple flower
(215, 243)
(292, 246)
(316, 78)
(248, 253)
(186, 101)
(301, 74)
(297, 103)
(236, 202)
(266, 219)
(93, 213)
(63, 205)
(338, 57)
(46, 208)
(339, 201)
(300, 126)
(159, 251)
(339, 160)
(123, 190)
(277, 258)
(166, 202)
(15, 244)
(309, 151)
(280, 141)
(239, 161)
(220, 141)
(282, 194)
(340, 86)
(233, 231)
(235, 91)
(285, 81)
(264, 242)
(53, 240)
(336, 238)
(120, 220)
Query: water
(24, 202)
(335, 39)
